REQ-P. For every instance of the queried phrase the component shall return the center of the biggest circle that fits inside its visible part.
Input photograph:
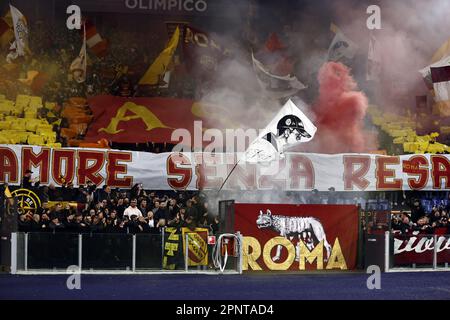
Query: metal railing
(417, 252)
(104, 253)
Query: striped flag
(441, 84)
(78, 68)
(426, 72)
(94, 41)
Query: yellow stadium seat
(43, 128)
(49, 136)
(5, 125)
(17, 137)
(4, 139)
(18, 125)
(32, 124)
(36, 102)
(31, 114)
(37, 140)
(54, 145)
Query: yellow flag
(159, 66)
(8, 193)
(442, 52)
(31, 75)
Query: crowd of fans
(419, 220)
(89, 209)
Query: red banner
(419, 249)
(150, 119)
(298, 237)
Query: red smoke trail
(340, 111)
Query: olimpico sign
(168, 5)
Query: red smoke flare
(340, 111)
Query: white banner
(295, 172)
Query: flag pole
(232, 170)
(226, 179)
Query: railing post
(26, 252)
(13, 253)
(163, 233)
(133, 266)
(240, 242)
(386, 250)
(186, 253)
(80, 251)
(435, 252)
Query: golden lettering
(139, 112)
(273, 243)
(251, 252)
(337, 260)
(310, 256)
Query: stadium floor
(343, 286)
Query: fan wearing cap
(27, 182)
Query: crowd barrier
(56, 253)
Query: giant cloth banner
(141, 120)
(189, 171)
(298, 237)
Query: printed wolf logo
(307, 229)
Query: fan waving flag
(288, 128)
(158, 69)
(341, 47)
(276, 86)
(20, 32)
(78, 68)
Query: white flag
(20, 31)
(341, 47)
(79, 65)
(373, 60)
(288, 128)
(274, 86)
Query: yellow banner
(197, 246)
